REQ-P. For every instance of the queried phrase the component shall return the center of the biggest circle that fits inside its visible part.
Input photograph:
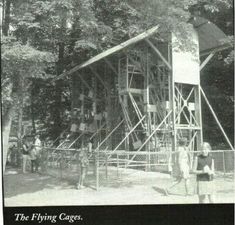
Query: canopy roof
(210, 39)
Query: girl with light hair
(204, 169)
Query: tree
(75, 30)
(19, 63)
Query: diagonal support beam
(127, 135)
(158, 53)
(208, 58)
(150, 136)
(111, 66)
(216, 119)
(84, 82)
(99, 78)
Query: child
(204, 169)
(83, 167)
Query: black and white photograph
(116, 103)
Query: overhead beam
(208, 58)
(216, 118)
(110, 51)
(158, 53)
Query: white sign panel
(186, 63)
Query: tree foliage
(68, 32)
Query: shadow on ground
(15, 183)
(161, 191)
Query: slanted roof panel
(210, 39)
(111, 51)
(210, 36)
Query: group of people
(31, 152)
(203, 167)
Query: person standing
(35, 154)
(33, 158)
(83, 167)
(25, 153)
(184, 163)
(181, 167)
(204, 170)
(90, 145)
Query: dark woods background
(41, 39)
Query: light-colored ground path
(133, 187)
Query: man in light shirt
(37, 148)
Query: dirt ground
(132, 187)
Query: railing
(104, 163)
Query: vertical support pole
(224, 168)
(126, 159)
(149, 114)
(82, 110)
(94, 106)
(117, 164)
(61, 165)
(125, 100)
(109, 110)
(198, 115)
(172, 103)
(106, 166)
(97, 167)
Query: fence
(114, 167)
(63, 164)
(107, 168)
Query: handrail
(123, 152)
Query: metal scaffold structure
(141, 97)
